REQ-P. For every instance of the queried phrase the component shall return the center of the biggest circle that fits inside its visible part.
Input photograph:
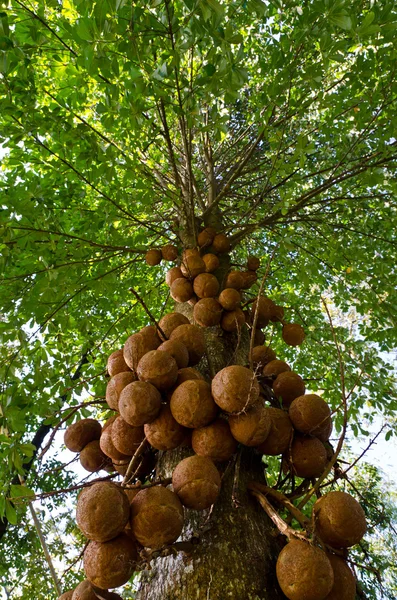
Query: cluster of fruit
(159, 396)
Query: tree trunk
(236, 545)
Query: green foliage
(281, 114)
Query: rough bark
(237, 545)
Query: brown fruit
(116, 363)
(278, 314)
(339, 520)
(324, 433)
(102, 511)
(221, 243)
(232, 320)
(186, 374)
(177, 350)
(158, 368)
(207, 312)
(109, 422)
(138, 345)
(280, 434)
(344, 587)
(229, 298)
(249, 278)
(211, 262)
(309, 414)
(235, 388)
(116, 385)
(107, 446)
(110, 564)
(274, 368)
(92, 458)
(126, 439)
(181, 290)
(153, 257)
(84, 591)
(156, 517)
(164, 433)
(79, 434)
(259, 337)
(304, 571)
(288, 386)
(172, 274)
(67, 596)
(197, 482)
(170, 322)
(121, 466)
(264, 308)
(293, 334)
(192, 266)
(214, 441)
(190, 252)
(192, 404)
(194, 340)
(206, 285)
(206, 237)
(169, 252)
(234, 280)
(262, 355)
(308, 456)
(139, 403)
(251, 428)
(253, 263)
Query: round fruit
(170, 322)
(274, 368)
(280, 434)
(339, 520)
(230, 299)
(186, 374)
(308, 457)
(278, 314)
(309, 414)
(206, 285)
(264, 308)
(253, 263)
(102, 511)
(288, 386)
(211, 262)
(138, 345)
(197, 482)
(234, 280)
(181, 290)
(177, 350)
(110, 564)
(193, 338)
(251, 428)
(192, 266)
(139, 403)
(79, 434)
(126, 439)
(109, 422)
(221, 243)
(262, 355)
(164, 433)
(190, 252)
(214, 441)
(235, 388)
(304, 571)
(293, 334)
(158, 368)
(92, 458)
(324, 433)
(206, 237)
(249, 278)
(344, 587)
(169, 252)
(232, 320)
(116, 363)
(153, 257)
(172, 274)
(116, 385)
(67, 596)
(84, 591)
(207, 312)
(107, 446)
(192, 404)
(156, 517)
